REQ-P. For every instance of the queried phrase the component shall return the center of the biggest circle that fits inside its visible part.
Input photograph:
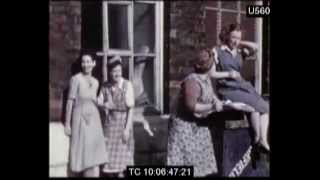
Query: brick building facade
(65, 45)
(66, 40)
(187, 32)
(70, 32)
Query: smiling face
(116, 73)
(87, 64)
(234, 39)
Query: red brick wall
(190, 29)
(64, 49)
(187, 32)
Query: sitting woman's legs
(255, 124)
(264, 125)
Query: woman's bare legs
(255, 124)
(264, 125)
(92, 172)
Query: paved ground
(148, 150)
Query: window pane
(118, 26)
(212, 3)
(125, 66)
(248, 34)
(266, 57)
(143, 81)
(144, 26)
(246, 3)
(228, 18)
(229, 5)
(248, 26)
(248, 71)
(211, 27)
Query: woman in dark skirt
(231, 86)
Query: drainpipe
(258, 62)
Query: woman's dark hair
(225, 32)
(112, 65)
(87, 52)
(203, 66)
(76, 65)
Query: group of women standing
(92, 146)
(189, 141)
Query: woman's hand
(146, 127)
(67, 130)
(109, 105)
(126, 135)
(234, 74)
(100, 100)
(241, 107)
(218, 106)
(249, 48)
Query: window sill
(147, 110)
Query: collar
(203, 77)
(120, 83)
(226, 48)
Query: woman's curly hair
(202, 66)
(225, 31)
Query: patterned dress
(87, 147)
(189, 141)
(120, 154)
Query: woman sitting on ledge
(226, 69)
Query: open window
(134, 31)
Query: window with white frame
(134, 31)
(221, 13)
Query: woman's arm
(249, 48)
(100, 99)
(73, 89)
(68, 117)
(129, 123)
(129, 98)
(240, 106)
(203, 108)
(192, 92)
(104, 100)
(213, 73)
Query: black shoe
(255, 155)
(264, 150)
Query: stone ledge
(235, 124)
(230, 119)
